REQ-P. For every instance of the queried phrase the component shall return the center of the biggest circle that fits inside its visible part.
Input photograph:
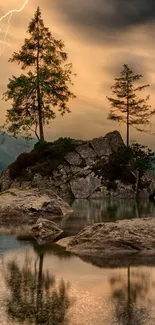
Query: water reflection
(130, 296)
(95, 295)
(35, 296)
(87, 212)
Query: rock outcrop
(122, 238)
(25, 206)
(45, 231)
(84, 187)
(75, 174)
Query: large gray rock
(125, 237)
(85, 151)
(45, 231)
(18, 206)
(82, 188)
(73, 158)
(104, 146)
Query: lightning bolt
(14, 10)
(9, 15)
(3, 43)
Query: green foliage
(45, 87)
(23, 161)
(45, 168)
(43, 159)
(124, 163)
(99, 164)
(56, 149)
(126, 106)
(41, 144)
(61, 147)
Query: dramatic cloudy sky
(100, 36)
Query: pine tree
(45, 86)
(127, 107)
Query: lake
(51, 286)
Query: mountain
(11, 148)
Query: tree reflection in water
(127, 295)
(35, 296)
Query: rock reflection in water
(130, 297)
(88, 212)
(35, 297)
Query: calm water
(87, 212)
(53, 287)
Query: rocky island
(34, 187)
(77, 169)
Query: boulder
(104, 146)
(85, 151)
(20, 206)
(45, 231)
(82, 188)
(73, 158)
(75, 169)
(122, 238)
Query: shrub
(45, 168)
(41, 145)
(56, 149)
(61, 147)
(111, 185)
(22, 162)
(44, 158)
(125, 162)
(99, 164)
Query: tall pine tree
(45, 87)
(126, 106)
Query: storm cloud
(99, 36)
(107, 15)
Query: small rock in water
(45, 231)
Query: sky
(100, 36)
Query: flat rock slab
(20, 206)
(125, 237)
(64, 241)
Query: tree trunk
(39, 288)
(127, 111)
(127, 133)
(40, 117)
(137, 182)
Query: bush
(61, 147)
(99, 164)
(41, 145)
(125, 162)
(23, 161)
(45, 168)
(56, 149)
(44, 158)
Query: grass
(7, 192)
